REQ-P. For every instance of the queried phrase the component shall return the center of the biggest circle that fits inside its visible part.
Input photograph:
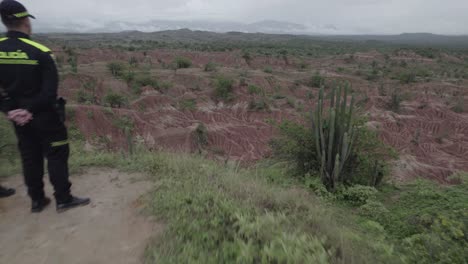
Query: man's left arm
(49, 86)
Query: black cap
(11, 10)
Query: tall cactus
(334, 135)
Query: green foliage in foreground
(225, 214)
(428, 222)
(8, 149)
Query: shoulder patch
(35, 44)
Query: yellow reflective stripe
(20, 15)
(59, 143)
(35, 44)
(22, 62)
(2, 39)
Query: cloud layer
(348, 16)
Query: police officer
(28, 92)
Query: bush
(259, 105)
(224, 89)
(117, 69)
(253, 89)
(85, 97)
(146, 80)
(316, 81)
(268, 69)
(210, 67)
(297, 146)
(407, 77)
(201, 136)
(396, 100)
(357, 195)
(115, 100)
(367, 163)
(460, 105)
(373, 209)
(427, 220)
(247, 57)
(182, 63)
(188, 104)
(8, 149)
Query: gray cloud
(348, 16)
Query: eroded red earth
(431, 138)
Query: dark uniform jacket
(28, 75)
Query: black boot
(72, 203)
(39, 205)
(6, 192)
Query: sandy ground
(111, 230)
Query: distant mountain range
(268, 31)
(266, 26)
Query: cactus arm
(331, 139)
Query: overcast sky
(348, 16)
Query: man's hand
(20, 116)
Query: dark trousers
(45, 137)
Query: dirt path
(111, 230)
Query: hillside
(414, 97)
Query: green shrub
(253, 89)
(146, 80)
(165, 86)
(126, 125)
(428, 221)
(136, 89)
(73, 62)
(8, 148)
(268, 69)
(316, 81)
(247, 57)
(374, 75)
(201, 136)
(278, 96)
(115, 100)
(129, 76)
(291, 103)
(297, 146)
(396, 100)
(85, 97)
(357, 195)
(210, 67)
(373, 208)
(259, 105)
(367, 163)
(407, 77)
(182, 63)
(224, 89)
(133, 61)
(117, 69)
(459, 105)
(188, 104)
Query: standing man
(28, 95)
